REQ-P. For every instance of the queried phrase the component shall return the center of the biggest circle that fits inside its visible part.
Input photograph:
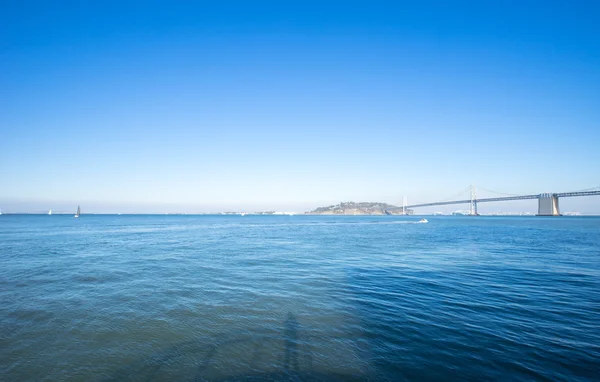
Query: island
(361, 208)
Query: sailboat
(50, 212)
(78, 212)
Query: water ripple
(299, 298)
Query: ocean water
(299, 298)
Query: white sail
(78, 212)
(50, 212)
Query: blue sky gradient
(294, 105)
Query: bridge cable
(498, 193)
(453, 197)
(588, 189)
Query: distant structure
(547, 202)
(473, 210)
(548, 205)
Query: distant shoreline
(282, 214)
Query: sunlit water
(143, 298)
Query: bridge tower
(404, 205)
(548, 205)
(473, 209)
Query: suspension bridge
(547, 202)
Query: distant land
(362, 208)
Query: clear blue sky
(291, 105)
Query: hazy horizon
(583, 205)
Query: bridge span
(547, 202)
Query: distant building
(460, 213)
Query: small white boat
(78, 212)
(50, 212)
(423, 221)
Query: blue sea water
(182, 298)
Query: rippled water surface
(144, 298)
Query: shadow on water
(234, 356)
(290, 336)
